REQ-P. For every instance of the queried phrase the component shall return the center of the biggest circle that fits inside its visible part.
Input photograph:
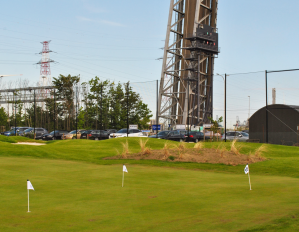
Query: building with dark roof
(283, 122)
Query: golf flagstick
(124, 170)
(123, 179)
(249, 178)
(28, 200)
(29, 186)
(246, 170)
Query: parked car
(123, 133)
(161, 135)
(39, 132)
(98, 135)
(72, 134)
(18, 130)
(175, 136)
(53, 136)
(238, 135)
(194, 136)
(85, 133)
(109, 131)
(9, 133)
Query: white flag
(246, 169)
(125, 168)
(29, 185)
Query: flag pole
(249, 178)
(123, 179)
(28, 200)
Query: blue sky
(121, 40)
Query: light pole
(224, 117)
(224, 94)
(249, 109)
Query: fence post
(266, 72)
(77, 112)
(101, 128)
(157, 116)
(54, 112)
(225, 108)
(128, 109)
(15, 113)
(34, 111)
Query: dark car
(175, 136)
(85, 133)
(194, 136)
(39, 132)
(98, 135)
(170, 135)
(161, 135)
(57, 134)
(109, 131)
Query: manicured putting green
(77, 196)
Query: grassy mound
(16, 139)
(281, 160)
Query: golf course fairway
(82, 196)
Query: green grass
(76, 190)
(16, 139)
(282, 160)
(76, 196)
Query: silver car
(238, 135)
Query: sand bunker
(33, 144)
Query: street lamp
(224, 93)
(224, 79)
(249, 109)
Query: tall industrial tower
(45, 70)
(186, 87)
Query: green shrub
(171, 157)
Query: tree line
(96, 104)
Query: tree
(3, 118)
(81, 118)
(65, 94)
(215, 126)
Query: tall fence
(264, 103)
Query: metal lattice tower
(186, 87)
(45, 70)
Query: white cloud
(111, 23)
(84, 19)
(94, 9)
(105, 22)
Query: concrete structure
(283, 124)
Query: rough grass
(144, 150)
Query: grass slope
(16, 139)
(282, 160)
(76, 196)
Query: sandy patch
(33, 144)
(204, 155)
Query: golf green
(79, 196)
